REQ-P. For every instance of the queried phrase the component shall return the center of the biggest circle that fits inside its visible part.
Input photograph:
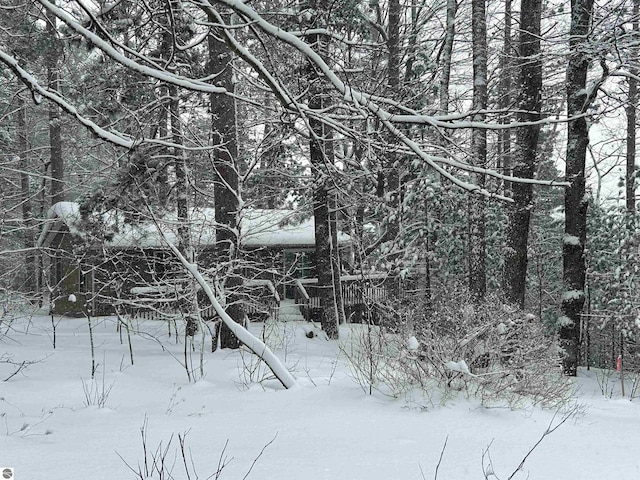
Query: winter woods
(438, 146)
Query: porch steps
(289, 311)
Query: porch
(364, 299)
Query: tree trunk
(476, 203)
(226, 187)
(630, 186)
(504, 102)
(268, 193)
(182, 192)
(392, 194)
(323, 257)
(322, 156)
(393, 84)
(411, 49)
(450, 32)
(55, 140)
(529, 105)
(170, 116)
(22, 149)
(575, 202)
(443, 104)
(336, 266)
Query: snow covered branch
(251, 342)
(361, 100)
(39, 91)
(158, 74)
(361, 103)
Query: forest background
(448, 138)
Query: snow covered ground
(327, 428)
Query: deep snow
(327, 428)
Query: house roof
(258, 228)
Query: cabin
(97, 265)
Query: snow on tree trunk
(630, 185)
(226, 188)
(505, 94)
(321, 156)
(529, 105)
(575, 200)
(22, 150)
(55, 140)
(476, 204)
(447, 49)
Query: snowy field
(56, 423)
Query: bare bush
(96, 393)
(251, 369)
(276, 335)
(487, 350)
(635, 385)
(12, 306)
(375, 360)
(160, 463)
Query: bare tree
(504, 101)
(529, 105)
(447, 50)
(52, 61)
(575, 200)
(631, 108)
(476, 206)
(226, 187)
(322, 158)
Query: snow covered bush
(488, 351)
(373, 357)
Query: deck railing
(260, 300)
(364, 298)
(362, 295)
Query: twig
(255, 460)
(435, 475)
(550, 429)
(488, 470)
(20, 366)
(222, 462)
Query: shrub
(487, 350)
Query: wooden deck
(364, 298)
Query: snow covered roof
(258, 228)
